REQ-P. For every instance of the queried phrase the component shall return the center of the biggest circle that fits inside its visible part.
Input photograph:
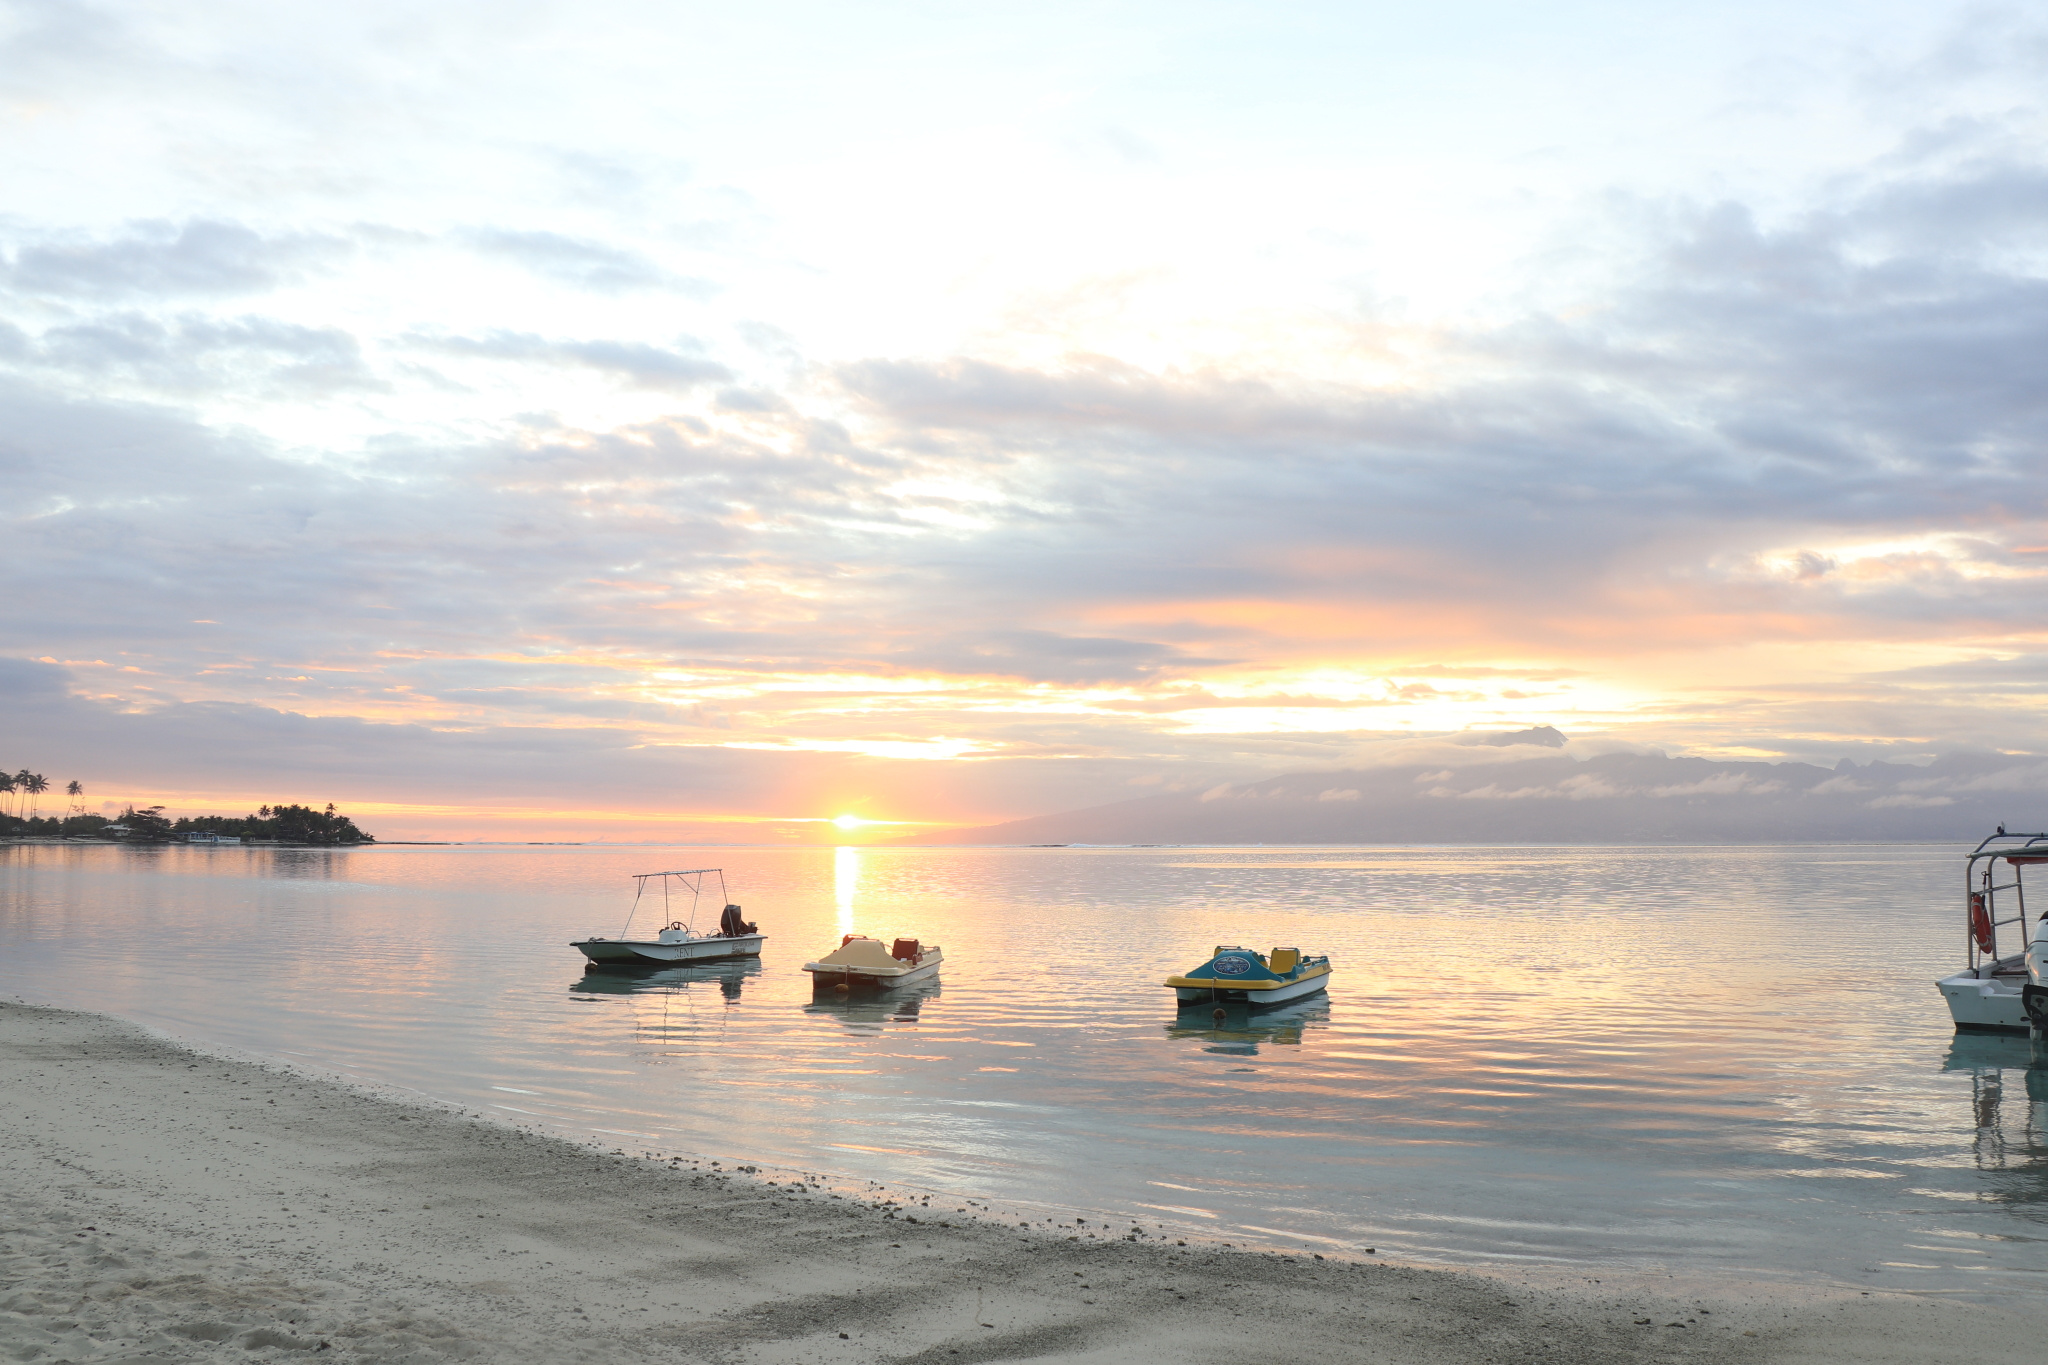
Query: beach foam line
(163, 1204)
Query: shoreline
(42, 841)
(163, 1203)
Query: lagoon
(1718, 1062)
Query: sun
(848, 821)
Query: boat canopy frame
(2019, 851)
(695, 888)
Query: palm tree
(6, 789)
(21, 787)
(76, 791)
(37, 785)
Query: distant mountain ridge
(1542, 795)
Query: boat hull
(617, 950)
(1279, 995)
(1982, 1005)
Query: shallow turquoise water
(1709, 1060)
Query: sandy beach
(165, 1204)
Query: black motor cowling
(732, 926)
(2034, 1000)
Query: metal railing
(1981, 888)
(695, 888)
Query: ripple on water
(1708, 1059)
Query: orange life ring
(1980, 923)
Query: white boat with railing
(2001, 989)
(678, 940)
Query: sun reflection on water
(845, 885)
(1628, 1057)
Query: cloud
(1606, 784)
(1539, 736)
(32, 678)
(669, 369)
(1579, 787)
(1720, 784)
(202, 355)
(1045, 656)
(751, 400)
(2022, 777)
(1701, 485)
(595, 266)
(163, 260)
(1448, 753)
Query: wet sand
(160, 1204)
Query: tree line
(288, 824)
(21, 795)
(281, 821)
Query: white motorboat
(2002, 988)
(863, 963)
(678, 940)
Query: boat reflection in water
(621, 979)
(673, 1011)
(2009, 1096)
(1238, 1030)
(868, 1013)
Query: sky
(677, 421)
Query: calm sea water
(1708, 1060)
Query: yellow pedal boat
(1234, 974)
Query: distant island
(282, 823)
(1534, 786)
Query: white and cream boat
(863, 963)
(1235, 975)
(677, 940)
(2003, 987)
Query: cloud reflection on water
(1595, 1057)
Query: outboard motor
(2034, 995)
(732, 926)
